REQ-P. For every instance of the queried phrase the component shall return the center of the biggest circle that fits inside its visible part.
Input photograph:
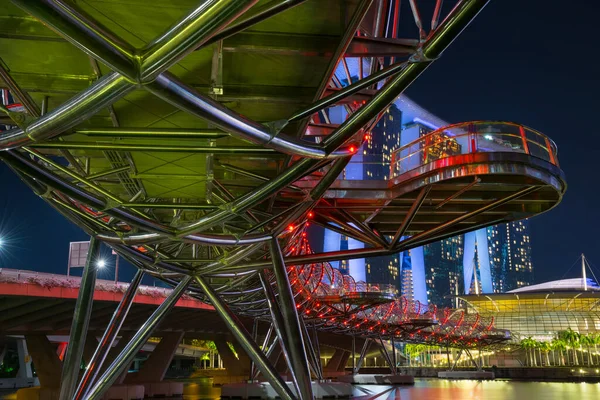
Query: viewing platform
(455, 179)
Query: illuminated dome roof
(563, 285)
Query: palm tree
(596, 342)
(587, 341)
(545, 348)
(572, 339)
(528, 344)
(560, 345)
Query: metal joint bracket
(48, 193)
(21, 119)
(275, 127)
(110, 204)
(227, 207)
(216, 90)
(419, 56)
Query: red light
(352, 149)
(290, 228)
(367, 137)
(310, 214)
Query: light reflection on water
(438, 389)
(433, 389)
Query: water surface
(440, 389)
(435, 389)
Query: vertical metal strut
(126, 356)
(245, 340)
(79, 326)
(292, 329)
(112, 330)
(278, 323)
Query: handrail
(479, 134)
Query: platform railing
(472, 137)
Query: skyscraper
(443, 262)
(510, 256)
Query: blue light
(426, 123)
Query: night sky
(532, 62)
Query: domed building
(541, 311)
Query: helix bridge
(197, 140)
(332, 301)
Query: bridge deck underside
(27, 315)
(269, 71)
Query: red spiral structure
(335, 302)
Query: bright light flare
(101, 263)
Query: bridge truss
(199, 150)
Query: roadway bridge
(199, 140)
(36, 311)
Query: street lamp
(78, 252)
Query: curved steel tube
(188, 34)
(102, 93)
(184, 97)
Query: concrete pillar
(155, 367)
(47, 364)
(338, 361)
(24, 360)
(343, 361)
(230, 361)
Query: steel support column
(278, 323)
(315, 362)
(292, 329)
(245, 340)
(107, 340)
(126, 356)
(79, 326)
(363, 353)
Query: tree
(528, 344)
(596, 342)
(587, 341)
(560, 346)
(572, 339)
(545, 348)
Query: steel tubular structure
(206, 174)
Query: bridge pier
(153, 370)
(47, 364)
(232, 364)
(24, 363)
(337, 362)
